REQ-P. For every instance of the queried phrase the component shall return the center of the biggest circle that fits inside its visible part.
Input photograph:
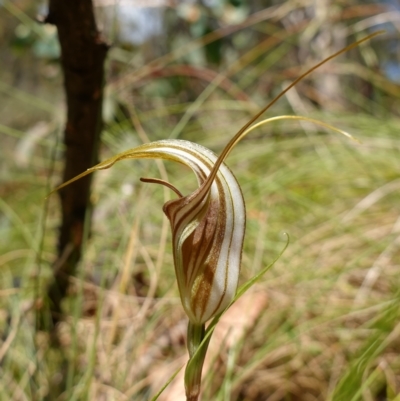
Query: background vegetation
(324, 323)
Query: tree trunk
(83, 53)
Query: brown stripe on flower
(212, 230)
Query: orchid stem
(195, 336)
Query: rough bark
(83, 53)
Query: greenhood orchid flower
(207, 225)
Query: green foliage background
(329, 325)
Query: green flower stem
(195, 336)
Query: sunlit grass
(312, 326)
(329, 325)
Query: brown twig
(83, 52)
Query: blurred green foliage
(330, 327)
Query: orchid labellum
(208, 228)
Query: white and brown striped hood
(208, 231)
(207, 226)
